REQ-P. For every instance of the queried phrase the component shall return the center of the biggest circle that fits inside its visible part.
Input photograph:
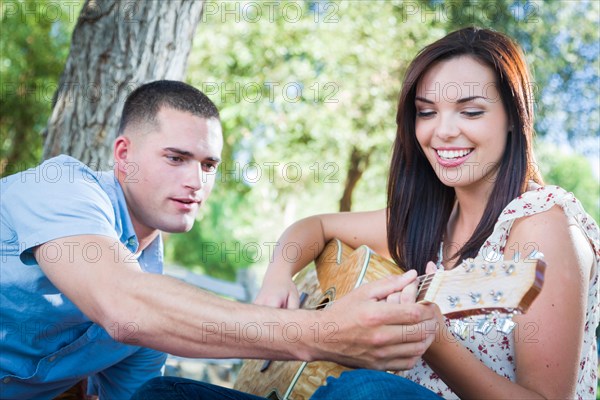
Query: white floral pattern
(495, 349)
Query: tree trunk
(359, 161)
(117, 45)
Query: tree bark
(117, 45)
(359, 161)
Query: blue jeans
(359, 384)
(172, 388)
(366, 384)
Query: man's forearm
(360, 329)
(168, 315)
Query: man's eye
(175, 159)
(210, 167)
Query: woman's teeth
(452, 154)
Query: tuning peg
(506, 325)
(509, 269)
(460, 328)
(496, 295)
(475, 297)
(453, 300)
(484, 326)
(468, 264)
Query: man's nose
(195, 177)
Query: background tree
(33, 50)
(116, 46)
(307, 91)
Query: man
(80, 284)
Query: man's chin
(181, 228)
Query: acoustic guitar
(469, 289)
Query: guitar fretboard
(423, 281)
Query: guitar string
(423, 286)
(423, 281)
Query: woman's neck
(464, 219)
(470, 205)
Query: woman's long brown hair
(419, 205)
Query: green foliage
(299, 85)
(573, 173)
(287, 154)
(211, 247)
(296, 95)
(33, 48)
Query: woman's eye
(425, 114)
(473, 113)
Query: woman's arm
(310, 236)
(546, 363)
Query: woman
(463, 180)
(463, 183)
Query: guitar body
(297, 380)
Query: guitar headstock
(482, 287)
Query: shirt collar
(123, 224)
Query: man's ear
(120, 153)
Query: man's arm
(166, 314)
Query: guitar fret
(424, 280)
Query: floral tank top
(496, 349)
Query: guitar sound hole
(324, 303)
(273, 396)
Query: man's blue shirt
(46, 344)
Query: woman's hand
(409, 293)
(278, 291)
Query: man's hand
(371, 332)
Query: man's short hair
(143, 103)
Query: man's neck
(146, 240)
(144, 235)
